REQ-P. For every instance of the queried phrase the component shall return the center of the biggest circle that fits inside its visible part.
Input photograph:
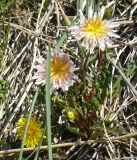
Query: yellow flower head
(71, 115)
(62, 71)
(34, 132)
(94, 31)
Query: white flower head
(62, 71)
(94, 31)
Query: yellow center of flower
(95, 27)
(59, 68)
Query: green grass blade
(27, 124)
(92, 5)
(79, 6)
(48, 104)
(64, 36)
(61, 40)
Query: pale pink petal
(101, 12)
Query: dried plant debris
(93, 77)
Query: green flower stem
(48, 104)
(27, 124)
